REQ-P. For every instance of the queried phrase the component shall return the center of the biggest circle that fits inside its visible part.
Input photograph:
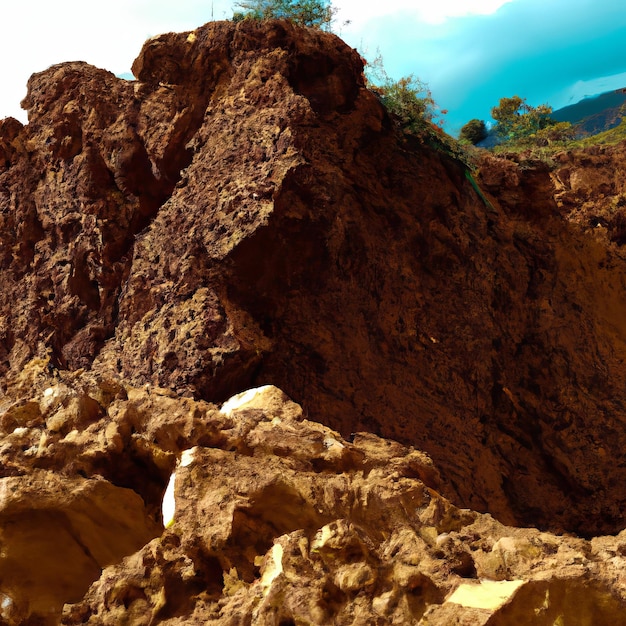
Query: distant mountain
(590, 116)
(594, 114)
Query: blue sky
(554, 51)
(470, 52)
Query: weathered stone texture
(273, 519)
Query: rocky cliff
(246, 214)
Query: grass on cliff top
(436, 138)
(606, 138)
(411, 106)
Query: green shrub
(409, 100)
(473, 132)
(557, 133)
(517, 119)
(313, 13)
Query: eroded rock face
(58, 534)
(590, 189)
(307, 246)
(245, 213)
(61, 519)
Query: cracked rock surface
(273, 519)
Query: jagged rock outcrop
(246, 213)
(587, 185)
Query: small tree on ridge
(517, 119)
(474, 131)
(313, 13)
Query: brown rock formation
(591, 189)
(246, 213)
(304, 527)
(274, 519)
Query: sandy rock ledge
(274, 519)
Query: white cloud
(40, 33)
(588, 88)
(429, 11)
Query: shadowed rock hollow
(247, 213)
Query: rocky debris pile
(249, 509)
(590, 189)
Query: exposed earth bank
(246, 213)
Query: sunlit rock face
(273, 518)
(244, 224)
